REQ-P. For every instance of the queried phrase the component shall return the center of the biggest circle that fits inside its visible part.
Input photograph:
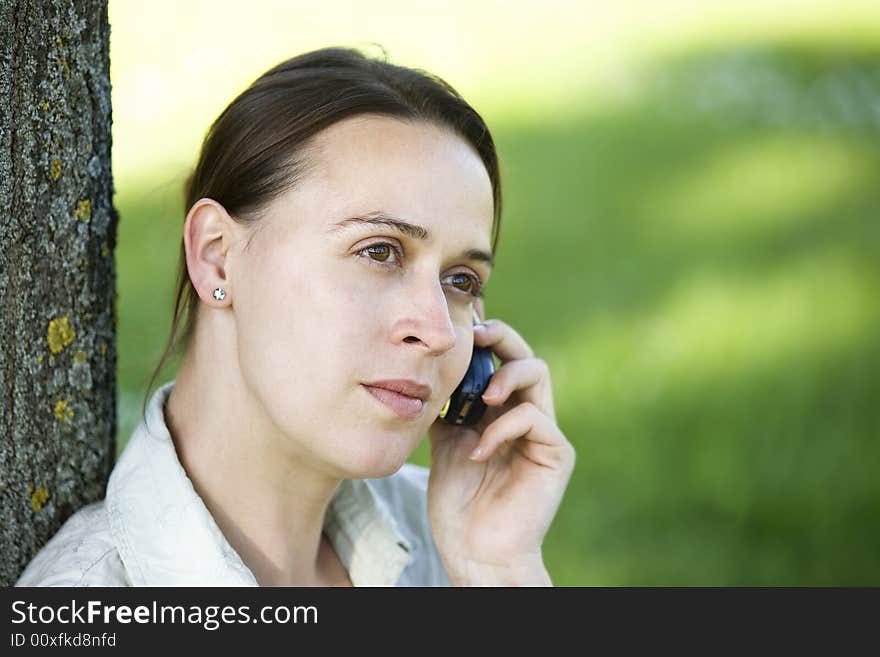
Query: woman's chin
(377, 458)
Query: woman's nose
(426, 319)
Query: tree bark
(57, 270)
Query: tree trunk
(57, 270)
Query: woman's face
(323, 306)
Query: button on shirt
(153, 529)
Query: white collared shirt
(153, 529)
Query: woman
(342, 219)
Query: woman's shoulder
(81, 553)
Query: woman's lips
(408, 408)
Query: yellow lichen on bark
(60, 334)
(83, 210)
(61, 411)
(56, 169)
(38, 497)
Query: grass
(698, 265)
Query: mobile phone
(466, 406)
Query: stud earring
(219, 294)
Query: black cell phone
(466, 406)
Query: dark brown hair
(258, 147)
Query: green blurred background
(690, 240)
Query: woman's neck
(269, 505)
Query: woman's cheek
(458, 362)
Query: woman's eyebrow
(412, 230)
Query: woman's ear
(208, 234)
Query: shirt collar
(167, 537)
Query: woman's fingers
(529, 376)
(544, 443)
(520, 370)
(505, 342)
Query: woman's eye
(383, 251)
(378, 254)
(472, 283)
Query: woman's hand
(489, 515)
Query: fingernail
(479, 327)
(491, 391)
(477, 453)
